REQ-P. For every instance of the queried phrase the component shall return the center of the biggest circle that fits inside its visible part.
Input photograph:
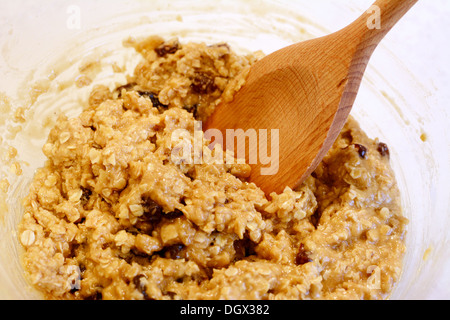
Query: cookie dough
(112, 216)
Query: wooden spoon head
(303, 94)
(292, 109)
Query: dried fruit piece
(151, 207)
(138, 282)
(203, 83)
(173, 214)
(168, 47)
(362, 151)
(302, 257)
(383, 149)
(152, 210)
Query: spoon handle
(359, 39)
(371, 27)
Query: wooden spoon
(306, 91)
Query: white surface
(411, 67)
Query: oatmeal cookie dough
(112, 216)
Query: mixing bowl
(401, 100)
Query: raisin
(167, 48)
(151, 207)
(152, 211)
(140, 286)
(138, 283)
(362, 151)
(173, 214)
(190, 174)
(302, 257)
(383, 149)
(203, 83)
(154, 99)
(315, 218)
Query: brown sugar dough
(111, 216)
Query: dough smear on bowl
(113, 215)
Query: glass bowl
(401, 100)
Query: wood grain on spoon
(306, 91)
